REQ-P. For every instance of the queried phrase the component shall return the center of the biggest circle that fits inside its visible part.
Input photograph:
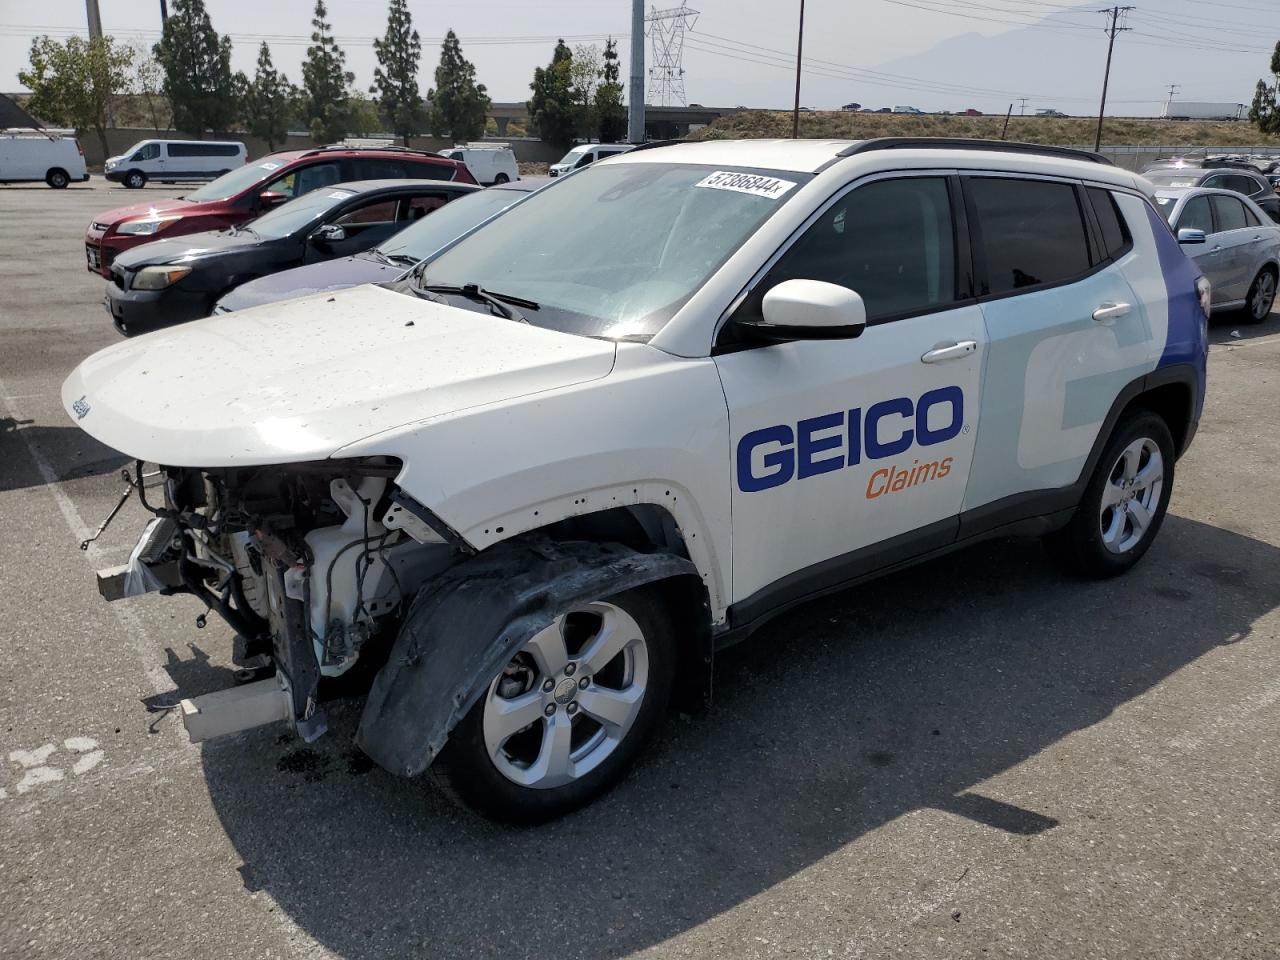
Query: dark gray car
(1249, 183)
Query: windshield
(1173, 178)
(1167, 205)
(238, 180)
(616, 249)
(295, 214)
(573, 156)
(448, 223)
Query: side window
(426, 170)
(150, 152)
(1029, 232)
(1217, 181)
(1195, 215)
(585, 159)
(315, 176)
(377, 168)
(1230, 213)
(1115, 232)
(891, 241)
(419, 207)
(1251, 218)
(377, 211)
(1246, 185)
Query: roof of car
(811, 156)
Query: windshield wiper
(504, 303)
(402, 258)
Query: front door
(850, 454)
(1236, 241)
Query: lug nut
(582, 684)
(548, 685)
(549, 709)
(569, 669)
(571, 709)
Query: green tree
(74, 83)
(197, 70)
(552, 108)
(1265, 111)
(363, 118)
(396, 76)
(458, 103)
(268, 101)
(325, 82)
(585, 70)
(147, 86)
(610, 115)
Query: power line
(1114, 14)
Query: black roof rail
(962, 143)
(651, 144)
(395, 148)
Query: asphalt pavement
(974, 758)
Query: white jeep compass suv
(638, 414)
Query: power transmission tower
(666, 29)
(1022, 108)
(1114, 15)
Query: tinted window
(377, 168)
(305, 179)
(419, 207)
(203, 150)
(1246, 185)
(426, 170)
(1030, 232)
(1230, 213)
(1251, 218)
(890, 241)
(379, 211)
(1115, 233)
(1196, 216)
(150, 152)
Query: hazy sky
(940, 54)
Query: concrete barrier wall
(119, 139)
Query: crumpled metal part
(466, 624)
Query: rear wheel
(135, 180)
(1262, 296)
(567, 715)
(57, 178)
(1125, 502)
(502, 178)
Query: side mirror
(329, 233)
(1191, 235)
(810, 310)
(270, 198)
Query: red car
(247, 192)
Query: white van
(34, 155)
(172, 160)
(488, 162)
(587, 153)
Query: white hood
(300, 380)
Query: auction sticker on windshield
(752, 183)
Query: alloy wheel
(1131, 495)
(1264, 295)
(567, 700)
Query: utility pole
(1022, 106)
(1168, 104)
(795, 110)
(95, 19)
(164, 11)
(1113, 14)
(1005, 129)
(635, 101)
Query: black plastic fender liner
(466, 624)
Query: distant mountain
(1059, 65)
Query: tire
(57, 178)
(502, 178)
(1262, 296)
(510, 773)
(135, 180)
(1124, 503)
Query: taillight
(79, 148)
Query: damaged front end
(307, 562)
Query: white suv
(551, 476)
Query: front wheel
(567, 715)
(135, 180)
(1262, 296)
(1124, 503)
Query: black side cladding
(466, 624)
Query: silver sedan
(1232, 241)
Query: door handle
(950, 351)
(1111, 311)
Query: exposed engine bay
(307, 562)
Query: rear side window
(203, 150)
(891, 241)
(1230, 213)
(425, 170)
(1115, 233)
(1029, 233)
(1246, 185)
(377, 168)
(1250, 217)
(1195, 215)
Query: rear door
(852, 454)
(1066, 333)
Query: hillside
(1054, 130)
